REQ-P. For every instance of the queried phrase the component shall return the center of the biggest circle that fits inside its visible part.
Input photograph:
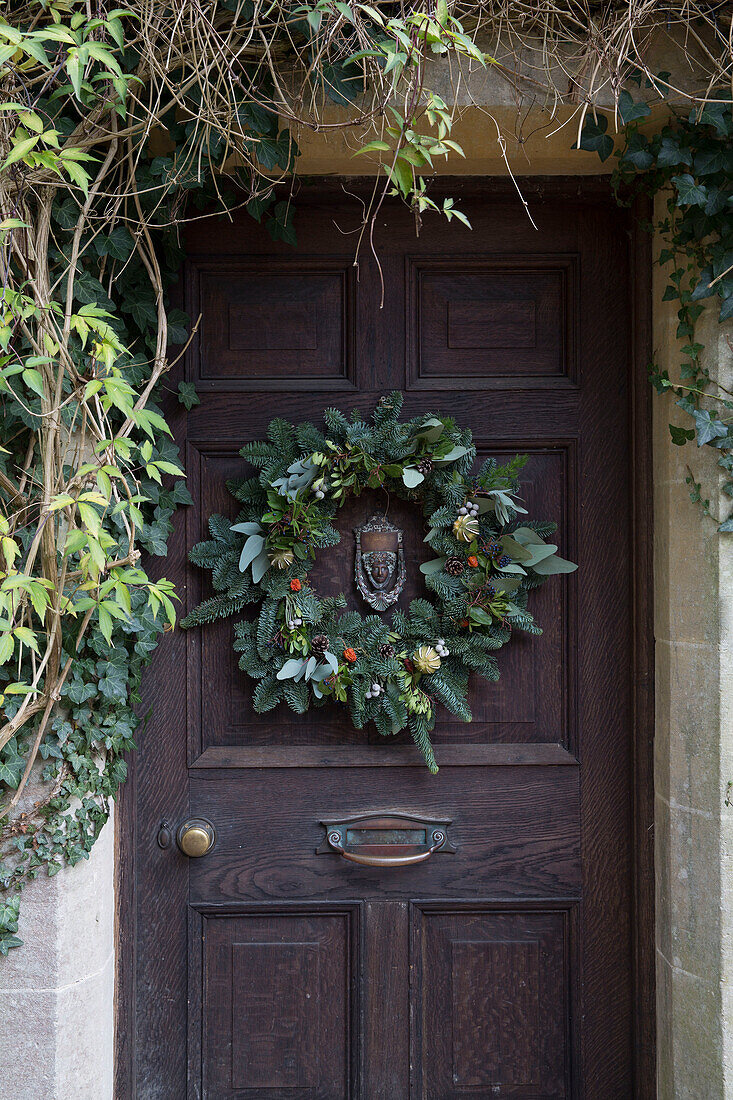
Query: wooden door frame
(575, 189)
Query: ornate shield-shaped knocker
(380, 562)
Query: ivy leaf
(187, 395)
(717, 115)
(680, 436)
(708, 426)
(11, 771)
(672, 153)
(708, 161)
(594, 138)
(630, 110)
(637, 152)
(34, 381)
(689, 193)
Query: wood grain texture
(516, 962)
(277, 1008)
(490, 1003)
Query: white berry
(463, 511)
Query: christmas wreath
(302, 648)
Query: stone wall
(57, 991)
(693, 569)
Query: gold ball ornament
(281, 559)
(465, 528)
(426, 659)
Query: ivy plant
(689, 160)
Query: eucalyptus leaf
(331, 660)
(539, 553)
(250, 550)
(434, 566)
(291, 668)
(430, 430)
(412, 477)
(514, 549)
(246, 528)
(506, 584)
(550, 566)
(526, 535)
(260, 565)
(453, 454)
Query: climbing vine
(689, 161)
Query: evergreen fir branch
(395, 707)
(248, 491)
(268, 693)
(218, 607)
(421, 736)
(309, 438)
(450, 699)
(267, 627)
(442, 517)
(336, 423)
(220, 528)
(297, 696)
(387, 411)
(282, 435)
(327, 537)
(205, 554)
(259, 453)
(383, 722)
(226, 570)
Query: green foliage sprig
(690, 161)
(300, 649)
(84, 328)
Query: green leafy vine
(688, 160)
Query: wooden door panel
(517, 834)
(277, 1004)
(505, 967)
(491, 1002)
(291, 325)
(478, 321)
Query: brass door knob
(196, 837)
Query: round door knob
(196, 837)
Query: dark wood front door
(270, 969)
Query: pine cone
(386, 651)
(454, 567)
(319, 644)
(425, 466)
